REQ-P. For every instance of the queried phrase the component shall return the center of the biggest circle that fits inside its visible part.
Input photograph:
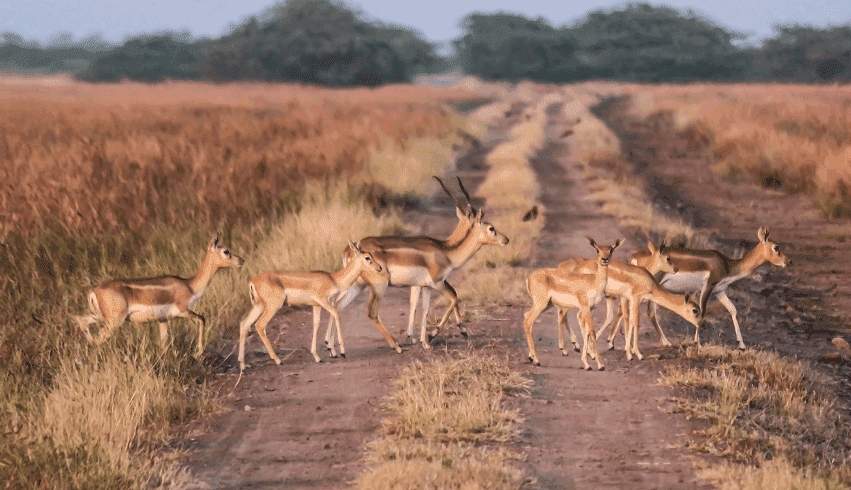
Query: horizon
(438, 21)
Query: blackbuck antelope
(567, 290)
(378, 283)
(634, 285)
(710, 273)
(269, 291)
(157, 298)
(657, 262)
(426, 263)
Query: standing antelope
(710, 272)
(158, 298)
(568, 290)
(634, 285)
(427, 263)
(270, 290)
(657, 262)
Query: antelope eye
(227, 253)
(776, 249)
(695, 311)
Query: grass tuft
(441, 413)
(763, 407)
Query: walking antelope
(427, 263)
(568, 290)
(658, 261)
(634, 285)
(157, 298)
(378, 282)
(710, 272)
(270, 290)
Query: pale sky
(436, 19)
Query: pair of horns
(470, 209)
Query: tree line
(327, 42)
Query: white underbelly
(147, 313)
(297, 297)
(683, 282)
(618, 288)
(409, 276)
(563, 300)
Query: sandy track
(309, 422)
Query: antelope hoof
(611, 346)
(464, 334)
(587, 368)
(742, 346)
(398, 349)
(576, 347)
(601, 368)
(564, 352)
(343, 355)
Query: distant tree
(805, 54)
(16, 53)
(504, 46)
(148, 59)
(646, 43)
(319, 41)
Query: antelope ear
(652, 247)
(762, 234)
(591, 241)
(214, 243)
(618, 243)
(354, 247)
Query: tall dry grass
(791, 137)
(129, 180)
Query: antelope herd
(680, 280)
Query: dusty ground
(303, 425)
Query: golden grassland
(129, 180)
(793, 137)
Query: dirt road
(304, 425)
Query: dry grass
(129, 180)
(625, 197)
(763, 408)
(794, 137)
(776, 474)
(406, 464)
(597, 149)
(454, 400)
(440, 412)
